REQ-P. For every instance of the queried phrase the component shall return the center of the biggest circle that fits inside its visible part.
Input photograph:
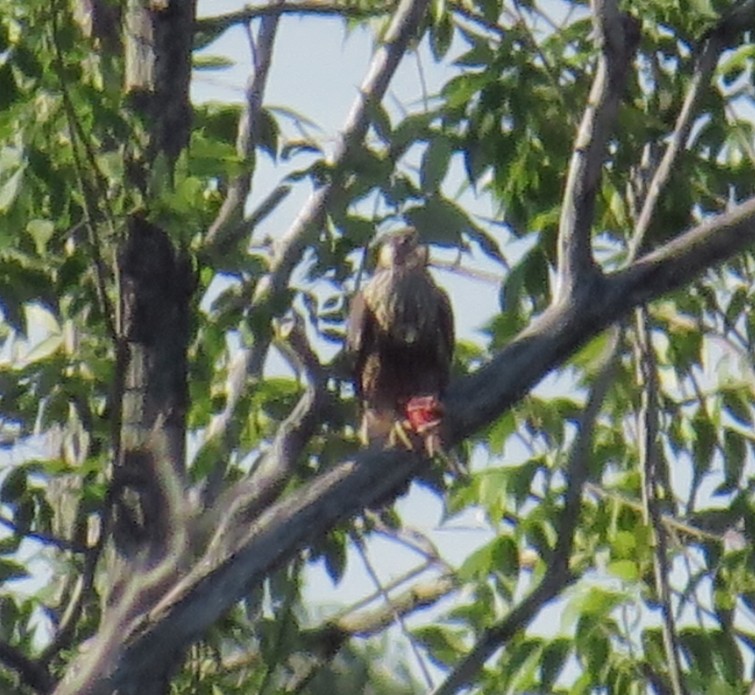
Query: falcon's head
(402, 249)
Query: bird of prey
(401, 334)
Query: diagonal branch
(561, 329)
(396, 616)
(618, 37)
(207, 590)
(231, 211)
(242, 502)
(558, 575)
(329, 639)
(717, 40)
(291, 246)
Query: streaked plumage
(401, 333)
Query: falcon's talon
(400, 433)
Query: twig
(84, 585)
(473, 273)
(618, 37)
(241, 503)
(378, 593)
(414, 540)
(671, 523)
(228, 223)
(396, 615)
(328, 639)
(536, 47)
(90, 204)
(419, 595)
(283, 614)
(649, 466)
(219, 23)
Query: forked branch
(618, 36)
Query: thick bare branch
(373, 477)
(561, 329)
(618, 37)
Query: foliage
(661, 571)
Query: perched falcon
(401, 333)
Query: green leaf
(590, 602)
(334, 556)
(9, 92)
(500, 431)
(624, 569)
(11, 570)
(705, 442)
(553, 660)
(14, 486)
(736, 404)
(735, 456)
(443, 644)
(499, 556)
(210, 62)
(41, 231)
(435, 163)
(9, 188)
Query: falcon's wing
(446, 334)
(359, 336)
(355, 327)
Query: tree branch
(214, 26)
(44, 538)
(618, 37)
(717, 40)
(229, 217)
(392, 615)
(31, 673)
(561, 329)
(329, 639)
(650, 468)
(242, 502)
(289, 249)
(372, 477)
